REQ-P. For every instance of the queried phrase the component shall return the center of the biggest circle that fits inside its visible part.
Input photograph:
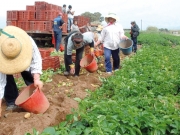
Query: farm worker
(111, 35)
(75, 27)
(19, 54)
(70, 14)
(71, 44)
(134, 34)
(88, 27)
(57, 30)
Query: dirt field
(61, 102)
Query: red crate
(64, 28)
(14, 23)
(25, 25)
(65, 18)
(14, 15)
(50, 63)
(30, 8)
(38, 26)
(44, 53)
(50, 15)
(23, 15)
(9, 13)
(49, 25)
(32, 15)
(49, 6)
(59, 8)
(41, 15)
(40, 5)
(32, 25)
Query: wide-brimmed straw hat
(112, 15)
(99, 28)
(15, 50)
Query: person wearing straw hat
(78, 45)
(99, 28)
(19, 54)
(111, 35)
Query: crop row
(143, 98)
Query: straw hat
(99, 28)
(15, 50)
(112, 15)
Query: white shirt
(70, 15)
(35, 67)
(111, 36)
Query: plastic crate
(50, 63)
(44, 53)
(30, 8)
(14, 23)
(14, 15)
(48, 26)
(50, 15)
(64, 28)
(32, 15)
(40, 5)
(25, 25)
(41, 15)
(32, 25)
(9, 15)
(23, 15)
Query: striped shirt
(35, 67)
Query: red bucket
(89, 63)
(32, 100)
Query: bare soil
(61, 102)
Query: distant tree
(94, 16)
(163, 30)
(152, 28)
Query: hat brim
(112, 16)
(99, 29)
(23, 60)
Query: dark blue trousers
(58, 37)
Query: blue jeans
(115, 57)
(70, 22)
(58, 37)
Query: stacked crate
(81, 21)
(49, 62)
(36, 18)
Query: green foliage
(152, 28)
(140, 99)
(93, 16)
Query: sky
(146, 13)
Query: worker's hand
(124, 37)
(37, 82)
(92, 51)
(72, 69)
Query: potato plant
(143, 98)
